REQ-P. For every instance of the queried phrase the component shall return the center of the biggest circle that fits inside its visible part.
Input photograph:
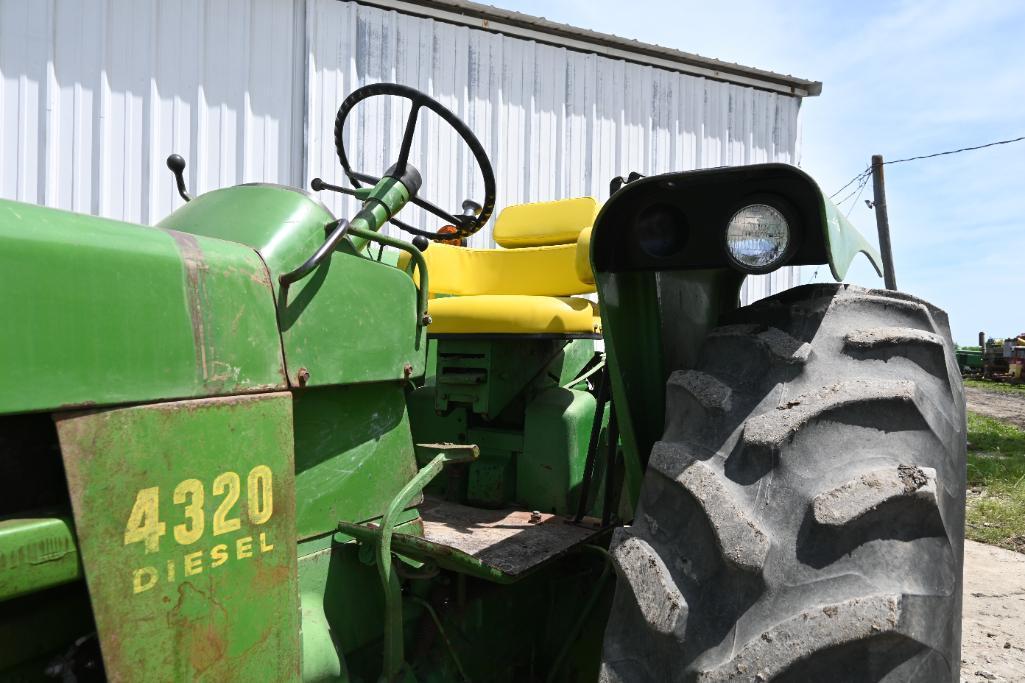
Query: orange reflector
(450, 230)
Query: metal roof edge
(519, 25)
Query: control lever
(176, 163)
(317, 185)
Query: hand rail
(336, 236)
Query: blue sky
(899, 79)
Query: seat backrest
(547, 253)
(537, 271)
(542, 224)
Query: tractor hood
(102, 312)
(353, 320)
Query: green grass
(996, 483)
(996, 386)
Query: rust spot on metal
(282, 372)
(195, 269)
(79, 405)
(303, 376)
(512, 541)
(208, 648)
(200, 619)
(267, 577)
(197, 403)
(260, 277)
(407, 370)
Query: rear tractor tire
(802, 517)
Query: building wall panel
(555, 122)
(94, 94)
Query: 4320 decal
(145, 526)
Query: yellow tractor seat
(525, 289)
(514, 314)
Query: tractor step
(501, 546)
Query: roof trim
(516, 24)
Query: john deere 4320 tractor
(260, 442)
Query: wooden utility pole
(882, 221)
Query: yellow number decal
(261, 496)
(144, 521)
(191, 531)
(229, 485)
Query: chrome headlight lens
(757, 237)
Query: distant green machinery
(969, 359)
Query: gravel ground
(993, 634)
(1009, 408)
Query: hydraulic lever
(176, 163)
(317, 185)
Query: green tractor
(258, 442)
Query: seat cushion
(544, 223)
(544, 271)
(513, 314)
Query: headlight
(757, 237)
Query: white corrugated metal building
(94, 94)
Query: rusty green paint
(352, 320)
(103, 312)
(166, 612)
(36, 553)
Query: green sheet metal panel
(36, 553)
(556, 433)
(351, 320)
(844, 241)
(654, 324)
(353, 452)
(186, 523)
(101, 312)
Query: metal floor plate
(505, 540)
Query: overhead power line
(957, 151)
(863, 177)
(861, 188)
(868, 170)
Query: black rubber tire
(802, 518)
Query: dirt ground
(1005, 407)
(993, 631)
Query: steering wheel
(466, 224)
